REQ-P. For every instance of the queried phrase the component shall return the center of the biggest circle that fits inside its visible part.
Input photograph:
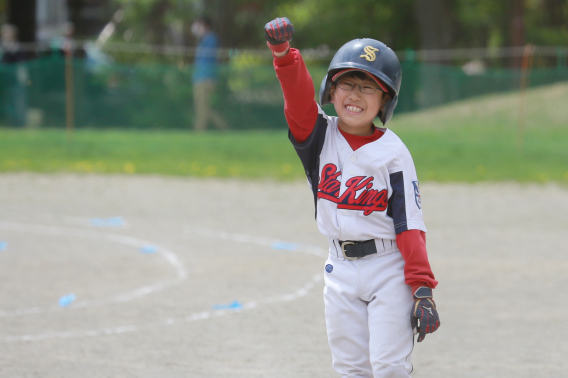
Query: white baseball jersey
(371, 193)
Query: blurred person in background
(15, 76)
(64, 43)
(205, 75)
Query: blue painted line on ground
(284, 245)
(66, 300)
(149, 249)
(235, 305)
(107, 222)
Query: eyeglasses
(365, 88)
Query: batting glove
(278, 33)
(424, 317)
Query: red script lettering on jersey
(369, 199)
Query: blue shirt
(206, 58)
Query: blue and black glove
(424, 317)
(278, 33)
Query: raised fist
(278, 31)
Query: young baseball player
(378, 281)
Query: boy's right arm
(300, 107)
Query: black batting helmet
(372, 57)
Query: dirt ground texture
(229, 280)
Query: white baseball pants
(367, 312)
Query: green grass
(478, 140)
(470, 141)
(253, 154)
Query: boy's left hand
(278, 31)
(424, 316)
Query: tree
(547, 23)
(22, 14)
(436, 24)
(335, 22)
(414, 24)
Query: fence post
(69, 94)
(526, 66)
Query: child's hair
(354, 75)
(206, 21)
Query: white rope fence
(319, 53)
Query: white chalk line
(302, 292)
(168, 255)
(243, 238)
(60, 231)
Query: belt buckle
(343, 250)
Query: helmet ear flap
(388, 109)
(325, 90)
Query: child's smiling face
(357, 107)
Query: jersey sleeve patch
(417, 197)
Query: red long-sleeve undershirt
(301, 111)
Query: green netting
(427, 85)
(248, 94)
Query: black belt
(355, 249)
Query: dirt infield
(211, 278)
